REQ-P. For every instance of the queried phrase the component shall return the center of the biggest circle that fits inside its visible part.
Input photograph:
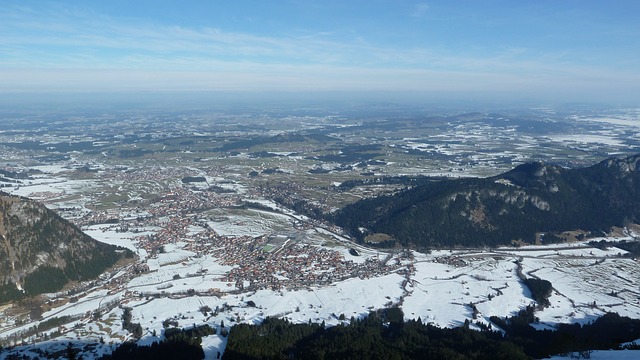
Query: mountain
(532, 198)
(41, 252)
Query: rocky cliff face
(41, 252)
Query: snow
(85, 304)
(250, 222)
(212, 345)
(173, 254)
(588, 139)
(186, 310)
(124, 239)
(353, 297)
(605, 355)
(573, 301)
(441, 294)
(59, 186)
(621, 120)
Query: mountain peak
(533, 174)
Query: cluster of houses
(258, 262)
(291, 265)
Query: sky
(574, 50)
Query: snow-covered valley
(197, 278)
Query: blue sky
(559, 49)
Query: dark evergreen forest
(532, 198)
(383, 335)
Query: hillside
(531, 198)
(41, 252)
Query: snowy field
(103, 234)
(588, 139)
(605, 355)
(247, 222)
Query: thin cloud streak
(97, 34)
(420, 10)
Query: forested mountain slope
(41, 252)
(531, 198)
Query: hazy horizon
(241, 102)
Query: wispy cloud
(79, 39)
(76, 34)
(420, 10)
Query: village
(269, 261)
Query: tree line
(384, 335)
